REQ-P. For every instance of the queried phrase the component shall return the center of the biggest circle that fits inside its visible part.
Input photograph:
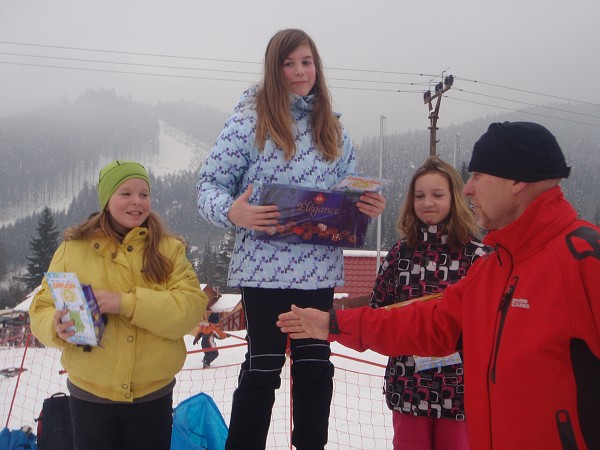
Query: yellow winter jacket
(142, 348)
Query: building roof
(24, 305)
(360, 270)
(226, 303)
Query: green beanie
(115, 173)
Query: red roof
(360, 270)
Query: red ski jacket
(529, 317)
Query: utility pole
(456, 149)
(440, 88)
(382, 120)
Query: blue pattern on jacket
(234, 163)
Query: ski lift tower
(440, 88)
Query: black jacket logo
(584, 242)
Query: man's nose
(468, 187)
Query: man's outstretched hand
(303, 323)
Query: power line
(529, 104)
(128, 53)
(528, 92)
(89, 69)
(170, 67)
(162, 55)
(123, 72)
(251, 81)
(162, 66)
(523, 112)
(100, 61)
(374, 89)
(384, 71)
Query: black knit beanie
(520, 151)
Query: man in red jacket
(528, 313)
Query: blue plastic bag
(17, 440)
(198, 425)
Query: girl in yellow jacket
(121, 391)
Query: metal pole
(381, 148)
(456, 147)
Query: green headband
(114, 174)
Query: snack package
(320, 216)
(430, 362)
(361, 183)
(314, 216)
(97, 318)
(79, 299)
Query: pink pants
(422, 433)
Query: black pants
(312, 372)
(211, 355)
(122, 426)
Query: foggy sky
(542, 46)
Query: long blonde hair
(274, 118)
(460, 223)
(156, 266)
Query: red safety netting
(359, 416)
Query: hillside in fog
(51, 157)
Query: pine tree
(464, 172)
(205, 268)
(3, 261)
(42, 248)
(222, 258)
(13, 294)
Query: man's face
(492, 200)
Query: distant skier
(207, 333)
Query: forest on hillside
(57, 150)
(402, 153)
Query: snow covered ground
(359, 417)
(177, 151)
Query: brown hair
(460, 223)
(156, 266)
(274, 117)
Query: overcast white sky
(543, 46)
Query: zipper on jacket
(565, 430)
(503, 309)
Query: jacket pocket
(565, 430)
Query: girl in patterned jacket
(436, 249)
(283, 131)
